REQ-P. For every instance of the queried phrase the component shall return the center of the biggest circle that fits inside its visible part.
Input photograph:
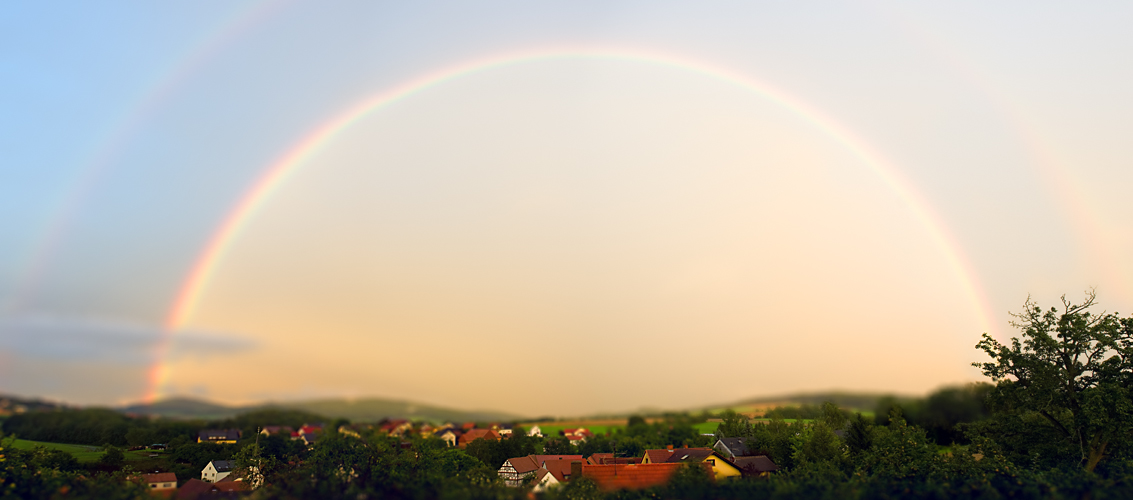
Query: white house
(217, 470)
(516, 470)
(544, 480)
(535, 431)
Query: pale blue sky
(129, 130)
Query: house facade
(217, 470)
(160, 482)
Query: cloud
(88, 339)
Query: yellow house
(721, 467)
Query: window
(711, 461)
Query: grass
(553, 430)
(83, 453)
(706, 427)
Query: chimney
(575, 469)
(686, 445)
(670, 447)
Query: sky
(549, 208)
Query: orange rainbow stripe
(278, 172)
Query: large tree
(1074, 369)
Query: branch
(1055, 422)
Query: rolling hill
(358, 410)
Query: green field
(83, 453)
(706, 427)
(553, 430)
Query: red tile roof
(634, 477)
(194, 488)
(658, 456)
(560, 467)
(608, 459)
(160, 477)
(523, 465)
(539, 459)
(475, 434)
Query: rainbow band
(313, 143)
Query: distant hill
(184, 408)
(358, 410)
(10, 404)
(855, 401)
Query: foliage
(1066, 381)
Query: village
(728, 459)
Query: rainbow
(315, 141)
(210, 44)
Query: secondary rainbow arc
(295, 156)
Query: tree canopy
(1071, 369)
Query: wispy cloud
(69, 338)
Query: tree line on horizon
(1057, 422)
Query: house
(195, 488)
(396, 427)
(543, 480)
(219, 436)
(577, 435)
(310, 438)
(580, 431)
(721, 467)
(632, 477)
(559, 465)
(657, 456)
(162, 482)
(504, 430)
(217, 470)
(310, 429)
(475, 434)
(756, 466)
(535, 431)
(233, 483)
(516, 471)
(732, 447)
(468, 426)
(270, 430)
(449, 436)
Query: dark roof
(736, 446)
(219, 434)
(223, 465)
(690, 455)
(756, 464)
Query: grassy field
(706, 427)
(83, 453)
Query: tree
(1072, 368)
(113, 457)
